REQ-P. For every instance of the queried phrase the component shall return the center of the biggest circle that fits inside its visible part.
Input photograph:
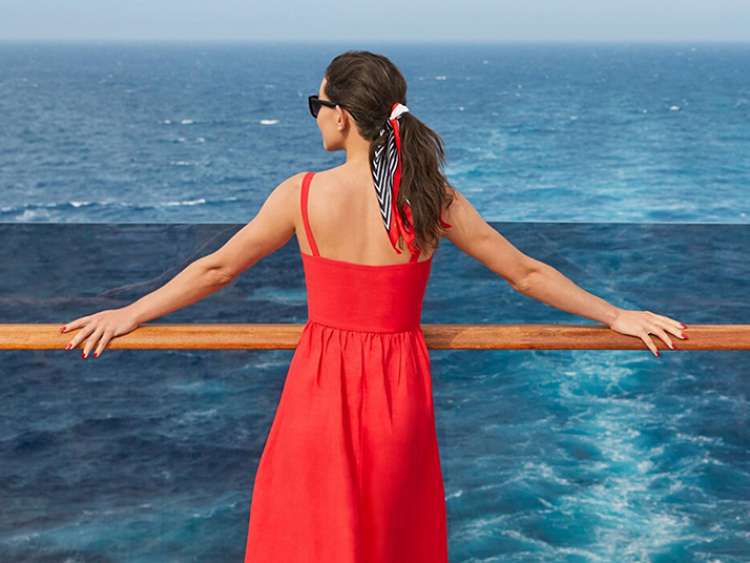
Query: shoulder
(288, 188)
(294, 182)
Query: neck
(357, 160)
(357, 151)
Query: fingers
(80, 335)
(643, 323)
(77, 323)
(671, 325)
(678, 332)
(91, 341)
(650, 343)
(97, 330)
(659, 331)
(671, 322)
(106, 337)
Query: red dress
(350, 472)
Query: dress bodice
(372, 298)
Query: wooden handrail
(438, 336)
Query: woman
(350, 470)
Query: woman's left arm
(473, 235)
(547, 284)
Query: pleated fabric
(350, 471)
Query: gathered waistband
(371, 330)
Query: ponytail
(369, 85)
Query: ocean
(625, 166)
(171, 132)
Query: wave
(30, 208)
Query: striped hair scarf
(386, 172)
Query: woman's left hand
(641, 323)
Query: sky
(405, 20)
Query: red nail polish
(686, 337)
(96, 354)
(83, 355)
(657, 353)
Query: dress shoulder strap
(305, 219)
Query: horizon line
(295, 40)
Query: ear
(342, 118)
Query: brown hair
(367, 85)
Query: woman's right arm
(193, 283)
(270, 229)
(196, 281)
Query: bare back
(345, 220)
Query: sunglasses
(314, 103)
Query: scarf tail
(406, 230)
(398, 227)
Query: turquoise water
(624, 166)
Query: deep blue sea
(202, 132)
(624, 166)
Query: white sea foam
(199, 201)
(269, 121)
(37, 210)
(31, 215)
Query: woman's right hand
(99, 328)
